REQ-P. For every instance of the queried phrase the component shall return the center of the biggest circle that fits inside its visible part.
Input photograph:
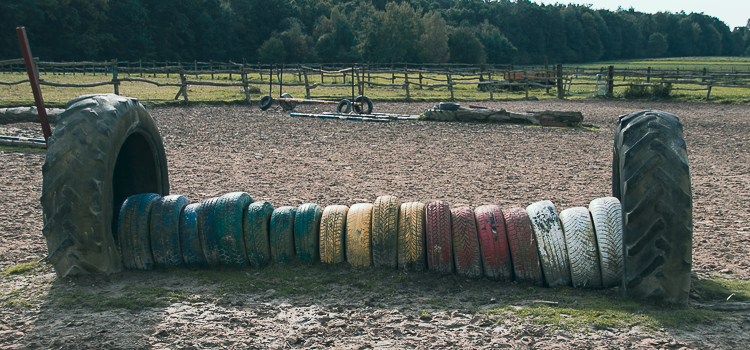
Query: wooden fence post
(115, 82)
(307, 86)
(648, 75)
(610, 80)
(321, 73)
(420, 79)
(450, 86)
(526, 81)
(211, 68)
(710, 83)
(406, 84)
(560, 86)
(546, 73)
(489, 77)
(140, 67)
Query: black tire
(207, 233)
(164, 228)
(449, 106)
(228, 228)
(105, 148)
(344, 107)
(287, 106)
(265, 102)
(306, 232)
(651, 178)
(133, 231)
(282, 235)
(190, 243)
(358, 107)
(255, 224)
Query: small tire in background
(230, 242)
(190, 243)
(332, 231)
(363, 105)
(344, 107)
(466, 252)
(448, 106)
(207, 233)
(606, 214)
(307, 232)
(286, 105)
(265, 102)
(358, 235)
(551, 243)
(493, 242)
(523, 248)
(255, 224)
(438, 237)
(585, 271)
(411, 240)
(385, 231)
(164, 229)
(282, 234)
(133, 231)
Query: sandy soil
(290, 161)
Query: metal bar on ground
(340, 116)
(34, 80)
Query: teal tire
(307, 231)
(230, 243)
(282, 235)
(165, 231)
(190, 243)
(206, 232)
(133, 231)
(255, 225)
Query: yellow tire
(332, 225)
(358, 235)
(411, 237)
(385, 231)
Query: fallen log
(26, 115)
(502, 116)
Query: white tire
(551, 243)
(606, 214)
(583, 253)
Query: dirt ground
(289, 161)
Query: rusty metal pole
(34, 80)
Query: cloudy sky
(734, 13)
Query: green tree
(399, 33)
(433, 42)
(296, 43)
(272, 51)
(465, 47)
(657, 45)
(497, 48)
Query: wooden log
(503, 116)
(26, 115)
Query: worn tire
(385, 231)
(164, 230)
(287, 106)
(493, 242)
(651, 178)
(449, 106)
(105, 148)
(466, 252)
(583, 254)
(411, 240)
(230, 242)
(207, 232)
(307, 232)
(606, 214)
(523, 247)
(190, 243)
(551, 243)
(344, 106)
(282, 235)
(265, 102)
(358, 235)
(133, 231)
(367, 101)
(255, 224)
(438, 237)
(332, 231)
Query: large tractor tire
(651, 178)
(105, 148)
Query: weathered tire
(411, 240)
(448, 106)
(287, 106)
(255, 224)
(230, 242)
(265, 102)
(651, 177)
(282, 235)
(465, 243)
(307, 232)
(385, 231)
(523, 248)
(164, 229)
(551, 243)
(344, 106)
(367, 101)
(438, 237)
(133, 231)
(190, 243)
(358, 235)
(606, 214)
(585, 270)
(493, 242)
(332, 231)
(207, 232)
(105, 148)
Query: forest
(377, 31)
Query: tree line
(379, 31)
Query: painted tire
(344, 107)
(523, 250)
(411, 237)
(332, 226)
(493, 241)
(385, 231)
(165, 231)
(282, 235)
(438, 237)
(307, 231)
(265, 102)
(228, 226)
(582, 252)
(551, 243)
(255, 224)
(190, 243)
(367, 101)
(358, 235)
(466, 252)
(207, 233)
(607, 220)
(133, 231)
(287, 106)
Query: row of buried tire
(581, 247)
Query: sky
(734, 13)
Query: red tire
(465, 243)
(438, 234)
(493, 242)
(523, 247)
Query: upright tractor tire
(438, 237)
(105, 148)
(385, 231)
(411, 243)
(651, 178)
